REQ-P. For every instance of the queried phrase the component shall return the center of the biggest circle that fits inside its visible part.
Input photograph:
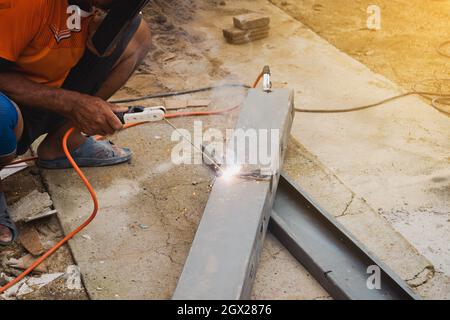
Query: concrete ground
(384, 172)
(405, 49)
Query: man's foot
(51, 147)
(8, 230)
(91, 153)
(86, 151)
(6, 236)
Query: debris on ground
(86, 236)
(25, 262)
(143, 226)
(11, 170)
(29, 239)
(35, 205)
(35, 237)
(28, 285)
(168, 57)
(247, 28)
(73, 278)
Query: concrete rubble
(73, 278)
(39, 230)
(29, 239)
(28, 285)
(36, 205)
(9, 171)
(25, 262)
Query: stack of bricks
(247, 28)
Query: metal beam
(330, 253)
(225, 253)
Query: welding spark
(231, 171)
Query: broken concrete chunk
(25, 262)
(24, 290)
(31, 206)
(251, 21)
(29, 239)
(29, 285)
(73, 278)
(4, 279)
(44, 280)
(42, 215)
(9, 171)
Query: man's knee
(142, 40)
(138, 47)
(9, 118)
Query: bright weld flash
(231, 171)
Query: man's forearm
(91, 115)
(33, 95)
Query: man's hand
(93, 115)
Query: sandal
(92, 153)
(5, 220)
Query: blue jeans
(8, 122)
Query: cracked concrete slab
(150, 208)
(361, 220)
(390, 157)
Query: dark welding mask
(119, 17)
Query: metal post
(224, 256)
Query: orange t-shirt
(34, 34)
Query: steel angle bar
(339, 262)
(226, 249)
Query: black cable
(180, 93)
(437, 98)
(355, 108)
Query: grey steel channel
(331, 254)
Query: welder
(52, 78)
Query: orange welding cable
(91, 191)
(255, 84)
(70, 235)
